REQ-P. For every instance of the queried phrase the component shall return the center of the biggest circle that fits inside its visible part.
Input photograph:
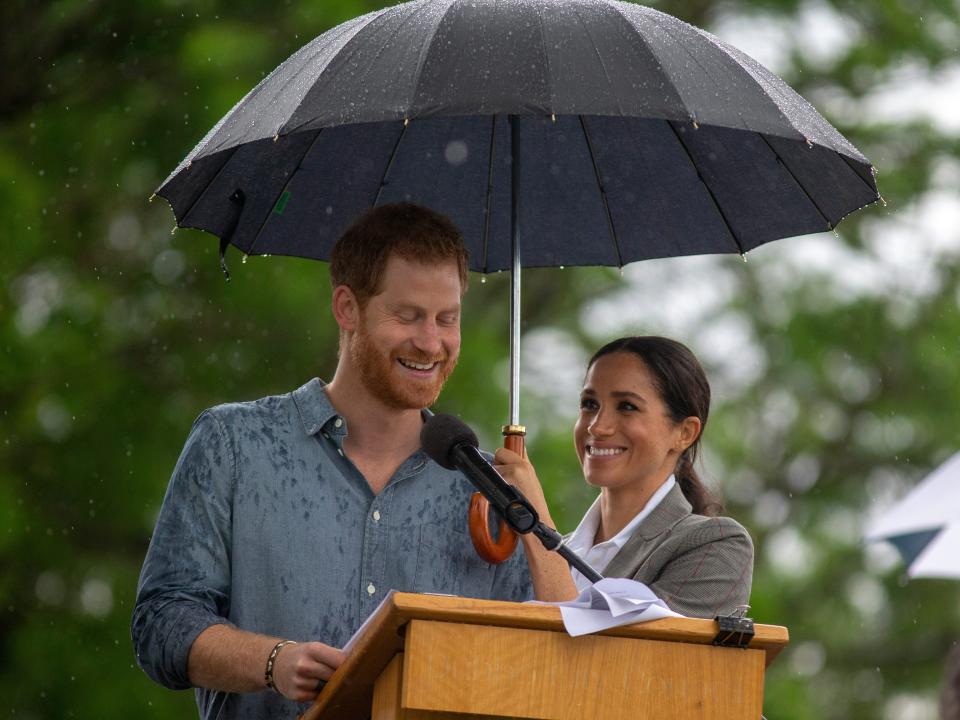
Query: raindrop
(456, 152)
(168, 266)
(50, 588)
(96, 597)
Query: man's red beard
(380, 374)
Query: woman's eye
(628, 406)
(588, 404)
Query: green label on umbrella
(281, 202)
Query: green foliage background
(114, 335)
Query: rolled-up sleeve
(184, 586)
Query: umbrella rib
(723, 215)
(603, 193)
(345, 51)
(425, 51)
(386, 171)
(283, 190)
(603, 65)
(203, 192)
(546, 58)
(849, 163)
(486, 205)
(786, 167)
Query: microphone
(452, 444)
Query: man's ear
(346, 309)
(689, 432)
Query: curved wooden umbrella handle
(495, 551)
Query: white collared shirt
(599, 556)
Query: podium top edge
(536, 616)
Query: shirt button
(338, 422)
(371, 589)
(376, 516)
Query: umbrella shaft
(515, 271)
(515, 340)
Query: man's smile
(418, 366)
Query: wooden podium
(432, 657)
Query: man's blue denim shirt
(267, 526)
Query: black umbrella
(599, 132)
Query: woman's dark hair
(683, 387)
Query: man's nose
(427, 339)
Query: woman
(643, 406)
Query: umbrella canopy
(599, 132)
(925, 525)
(604, 132)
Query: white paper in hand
(612, 602)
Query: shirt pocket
(448, 564)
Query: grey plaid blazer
(701, 566)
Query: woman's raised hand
(519, 472)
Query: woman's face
(624, 434)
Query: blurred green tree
(843, 389)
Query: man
(289, 518)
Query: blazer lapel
(671, 510)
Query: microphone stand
(552, 540)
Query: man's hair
(410, 231)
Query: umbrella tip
(173, 230)
(243, 260)
(882, 201)
(743, 256)
(152, 196)
(406, 121)
(696, 125)
(809, 143)
(483, 279)
(276, 136)
(553, 117)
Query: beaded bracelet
(268, 673)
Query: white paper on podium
(611, 602)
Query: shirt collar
(314, 406)
(582, 538)
(316, 410)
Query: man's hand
(225, 658)
(299, 668)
